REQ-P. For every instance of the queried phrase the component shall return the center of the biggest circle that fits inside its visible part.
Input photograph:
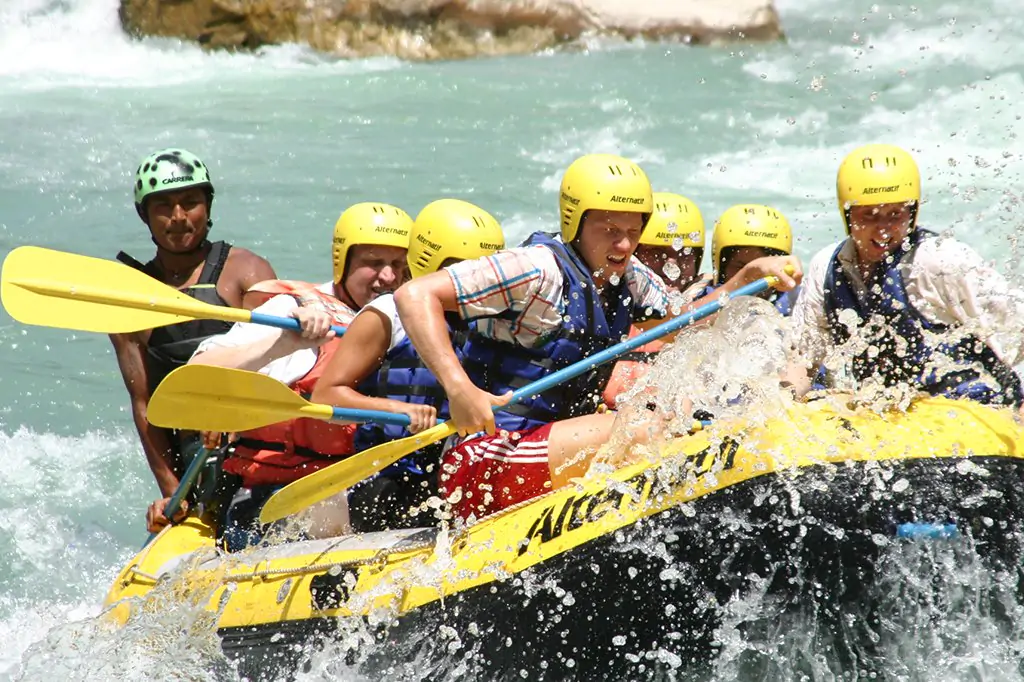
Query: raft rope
(325, 566)
(147, 576)
(299, 570)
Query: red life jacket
(629, 369)
(285, 452)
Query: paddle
(57, 289)
(207, 398)
(331, 480)
(184, 486)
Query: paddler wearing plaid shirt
(538, 308)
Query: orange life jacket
(634, 365)
(629, 368)
(303, 292)
(287, 451)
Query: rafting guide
(174, 198)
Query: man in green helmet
(173, 195)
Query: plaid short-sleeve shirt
(524, 286)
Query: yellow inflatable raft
(598, 574)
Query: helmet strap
(347, 297)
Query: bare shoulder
(244, 268)
(243, 262)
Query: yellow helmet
(451, 228)
(602, 182)
(750, 225)
(675, 218)
(877, 174)
(369, 223)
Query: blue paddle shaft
(289, 323)
(340, 413)
(376, 416)
(618, 349)
(184, 486)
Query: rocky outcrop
(444, 29)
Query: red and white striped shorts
(495, 472)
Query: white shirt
(288, 369)
(947, 282)
(385, 305)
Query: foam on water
(888, 44)
(886, 40)
(63, 528)
(940, 614)
(519, 226)
(966, 141)
(622, 136)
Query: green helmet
(170, 170)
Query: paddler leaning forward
(539, 308)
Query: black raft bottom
(645, 602)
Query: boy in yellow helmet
(369, 254)
(672, 242)
(928, 311)
(377, 368)
(744, 233)
(537, 309)
(672, 246)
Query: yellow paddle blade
(65, 290)
(205, 398)
(331, 480)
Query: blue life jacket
(905, 354)
(403, 376)
(589, 326)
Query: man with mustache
(173, 197)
